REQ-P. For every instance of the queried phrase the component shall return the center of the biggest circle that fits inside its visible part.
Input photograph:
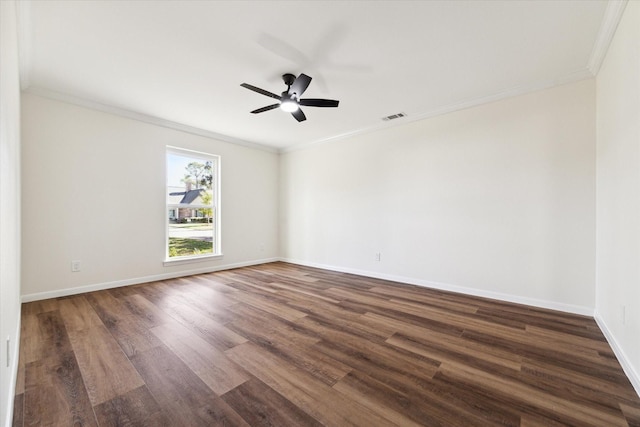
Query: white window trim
(191, 259)
(216, 206)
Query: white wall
(618, 192)
(9, 207)
(495, 200)
(94, 191)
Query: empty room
(306, 213)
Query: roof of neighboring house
(184, 197)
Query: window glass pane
(187, 177)
(192, 185)
(190, 233)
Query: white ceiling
(181, 63)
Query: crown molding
(134, 115)
(25, 58)
(25, 45)
(612, 15)
(468, 103)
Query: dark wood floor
(284, 345)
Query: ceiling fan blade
(267, 108)
(313, 102)
(299, 115)
(260, 91)
(300, 85)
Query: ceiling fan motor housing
(288, 79)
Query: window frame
(215, 206)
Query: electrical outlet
(8, 350)
(75, 266)
(378, 256)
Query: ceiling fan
(290, 99)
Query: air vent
(393, 117)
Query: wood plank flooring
(285, 345)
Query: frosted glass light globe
(289, 105)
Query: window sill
(190, 260)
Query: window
(193, 205)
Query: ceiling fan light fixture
(289, 100)
(289, 105)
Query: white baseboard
(585, 311)
(552, 305)
(137, 280)
(13, 369)
(628, 368)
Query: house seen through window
(193, 219)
